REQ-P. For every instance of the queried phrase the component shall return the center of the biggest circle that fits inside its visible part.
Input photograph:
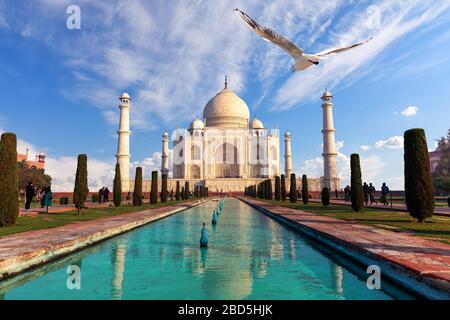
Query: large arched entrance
(227, 161)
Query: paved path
(441, 211)
(22, 251)
(422, 263)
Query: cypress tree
(325, 196)
(186, 190)
(293, 190)
(117, 187)
(201, 191)
(80, 191)
(263, 189)
(305, 189)
(164, 188)
(283, 187)
(177, 192)
(419, 191)
(357, 196)
(183, 194)
(154, 190)
(277, 188)
(269, 189)
(137, 193)
(9, 181)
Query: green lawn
(436, 227)
(52, 220)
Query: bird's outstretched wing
(339, 50)
(270, 35)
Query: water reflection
(119, 254)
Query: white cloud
(410, 111)
(395, 142)
(365, 148)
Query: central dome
(226, 110)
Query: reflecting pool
(250, 256)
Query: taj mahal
(225, 151)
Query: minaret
(287, 155)
(329, 149)
(123, 146)
(165, 154)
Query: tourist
(347, 193)
(100, 195)
(42, 197)
(366, 193)
(48, 197)
(29, 194)
(372, 194)
(204, 237)
(384, 193)
(336, 193)
(106, 195)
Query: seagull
(302, 60)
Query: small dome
(287, 134)
(256, 124)
(327, 94)
(197, 124)
(125, 95)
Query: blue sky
(59, 87)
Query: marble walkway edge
(417, 264)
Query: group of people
(44, 195)
(103, 195)
(369, 193)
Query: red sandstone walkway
(426, 260)
(22, 251)
(441, 211)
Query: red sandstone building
(39, 161)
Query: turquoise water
(250, 256)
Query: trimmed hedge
(419, 190)
(305, 189)
(81, 190)
(154, 190)
(9, 180)
(283, 187)
(117, 187)
(137, 193)
(357, 195)
(325, 197)
(293, 190)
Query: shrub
(81, 190)
(186, 190)
(293, 189)
(357, 195)
(419, 192)
(283, 187)
(164, 188)
(154, 190)
(9, 181)
(117, 187)
(95, 198)
(183, 194)
(325, 196)
(269, 189)
(277, 188)
(137, 193)
(305, 189)
(177, 192)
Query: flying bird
(302, 60)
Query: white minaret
(329, 149)
(123, 145)
(165, 154)
(287, 155)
